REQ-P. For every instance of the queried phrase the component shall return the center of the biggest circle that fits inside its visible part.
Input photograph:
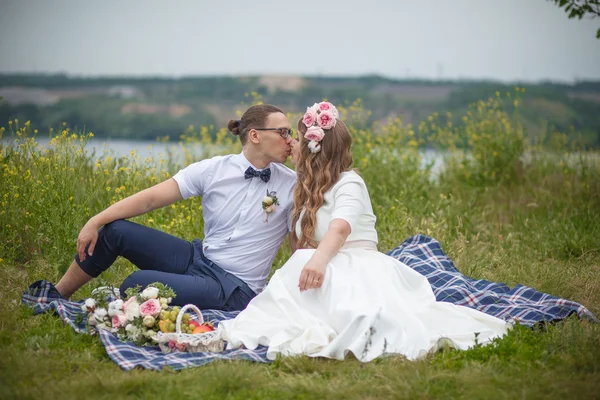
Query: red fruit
(202, 329)
(195, 323)
(205, 327)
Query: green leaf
(598, 34)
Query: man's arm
(157, 196)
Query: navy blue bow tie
(264, 175)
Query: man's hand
(87, 236)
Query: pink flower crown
(317, 118)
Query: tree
(579, 8)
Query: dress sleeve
(349, 202)
(192, 180)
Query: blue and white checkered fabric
(421, 253)
(42, 296)
(522, 303)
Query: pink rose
(150, 307)
(325, 106)
(118, 321)
(314, 133)
(326, 120)
(309, 117)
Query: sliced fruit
(202, 329)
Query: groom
(230, 265)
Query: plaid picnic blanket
(42, 296)
(419, 252)
(521, 303)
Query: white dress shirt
(236, 238)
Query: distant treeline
(147, 107)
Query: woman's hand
(312, 275)
(87, 236)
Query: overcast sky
(508, 40)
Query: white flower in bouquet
(131, 308)
(150, 293)
(149, 321)
(149, 333)
(89, 305)
(133, 332)
(92, 319)
(100, 314)
(115, 308)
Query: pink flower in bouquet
(119, 321)
(326, 106)
(309, 117)
(314, 133)
(150, 307)
(326, 120)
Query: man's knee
(113, 232)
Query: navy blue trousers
(170, 260)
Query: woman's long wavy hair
(317, 173)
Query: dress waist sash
(360, 244)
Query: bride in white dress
(338, 294)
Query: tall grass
(504, 208)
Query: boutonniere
(268, 204)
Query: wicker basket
(179, 341)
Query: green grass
(538, 225)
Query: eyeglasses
(283, 132)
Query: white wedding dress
(369, 304)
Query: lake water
(153, 149)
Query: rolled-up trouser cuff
(88, 266)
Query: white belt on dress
(360, 244)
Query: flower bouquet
(141, 316)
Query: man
(230, 265)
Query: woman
(231, 263)
(337, 293)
